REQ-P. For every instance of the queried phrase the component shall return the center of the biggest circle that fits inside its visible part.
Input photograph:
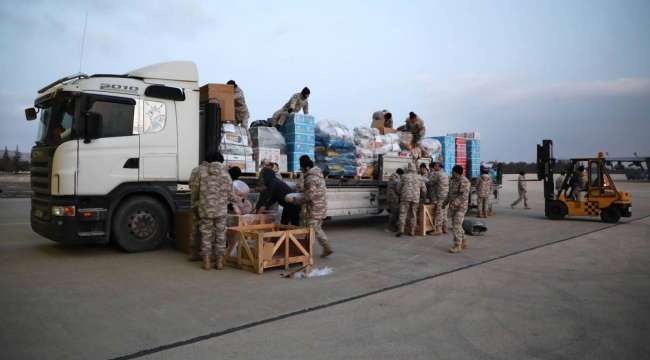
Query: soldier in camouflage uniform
(214, 195)
(522, 189)
(415, 126)
(314, 201)
(439, 187)
(392, 196)
(195, 236)
(297, 102)
(458, 200)
(411, 189)
(241, 109)
(483, 188)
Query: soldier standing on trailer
(483, 188)
(241, 109)
(439, 186)
(411, 189)
(457, 199)
(214, 195)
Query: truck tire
(610, 214)
(556, 210)
(140, 223)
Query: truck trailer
(114, 153)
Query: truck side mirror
(92, 126)
(30, 114)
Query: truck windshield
(56, 122)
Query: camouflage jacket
(411, 188)
(241, 109)
(315, 194)
(297, 103)
(416, 128)
(439, 185)
(194, 185)
(484, 185)
(214, 190)
(458, 193)
(521, 184)
(392, 195)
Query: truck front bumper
(67, 229)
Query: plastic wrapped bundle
(335, 149)
(431, 148)
(405, 140)
(268, 138)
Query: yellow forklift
(596, 194)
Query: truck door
(158, 146)
(112, 157)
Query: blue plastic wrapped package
(448, 146)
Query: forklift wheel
(611, 214)
(556, 210)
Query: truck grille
(41, 172)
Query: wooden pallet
(259, 247)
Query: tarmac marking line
(253, 324)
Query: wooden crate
(259, 247)
(425, 221)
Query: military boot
(464, 244)
(327, 251)
(456, 249)
(444, 229)
(207, 262)
(219, 263)
(437, 231)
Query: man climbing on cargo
(522, 190)
(415, 126)
(241, 109)
(439, 187)
(297, 102)
(411, 190)
(458, 200)
(214, 195)
(483, 188)
(314, 201)
(392, 195)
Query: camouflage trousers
(317, 225)
(482, 203)
(408, 211)
(279, 117)
(440, 214)
(213, 236)
(523, 195)
(457, 217)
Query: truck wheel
(556, 210)
(140, 224)
(611, 214)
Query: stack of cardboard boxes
(299, 133)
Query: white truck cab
(111, 151)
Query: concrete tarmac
(584, 296)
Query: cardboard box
(388, 131)
(270, 154)
(222, 94)
(250, 166)
(234, 135)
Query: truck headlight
(63, 210)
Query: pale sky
(577, 72)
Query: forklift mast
(545, 167)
